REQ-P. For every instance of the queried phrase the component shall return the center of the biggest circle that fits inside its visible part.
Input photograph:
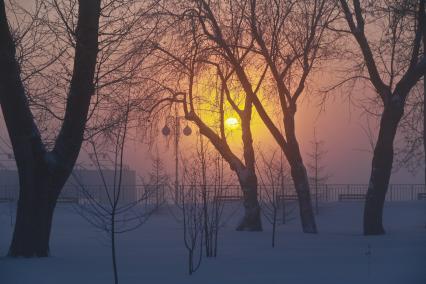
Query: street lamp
(166, 131)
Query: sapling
(113, 215)
(316, 167)
(272, 178)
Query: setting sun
(231, 123)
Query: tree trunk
(113, 251)
(32, 221)
(299, 175)
(381, 169)
(301, 184)
(251, 220)
(36, 204)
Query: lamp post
(175, 122)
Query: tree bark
(251, 220)
(381, 168)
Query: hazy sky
(348, 159)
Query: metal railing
(332, 192)
(153, 194)
(158, 193)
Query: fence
(396, 192)
(152, 194)
(332, 192)
(157, 193)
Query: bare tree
(43, 172)
(271, 177)
(209, 103)
(244, 168)
(274, 176)
(200, 203)
(192, 214)
(413, 125)
(113, 215)
(291, 38)
(158, 179)
(253, 43)
(267, 39)
(216, 208)
(316, 166)
(70, 62)
(212, 189)
(393, 67)
(409, 152)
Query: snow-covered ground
(155, 253)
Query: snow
(155, 252)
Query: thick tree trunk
(251, 220)
(299, 175)
(381, 169)
(301, 184)
(34, 213)
(247, 177)
(36, 204)
(34, 221)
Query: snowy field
(155, 254)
